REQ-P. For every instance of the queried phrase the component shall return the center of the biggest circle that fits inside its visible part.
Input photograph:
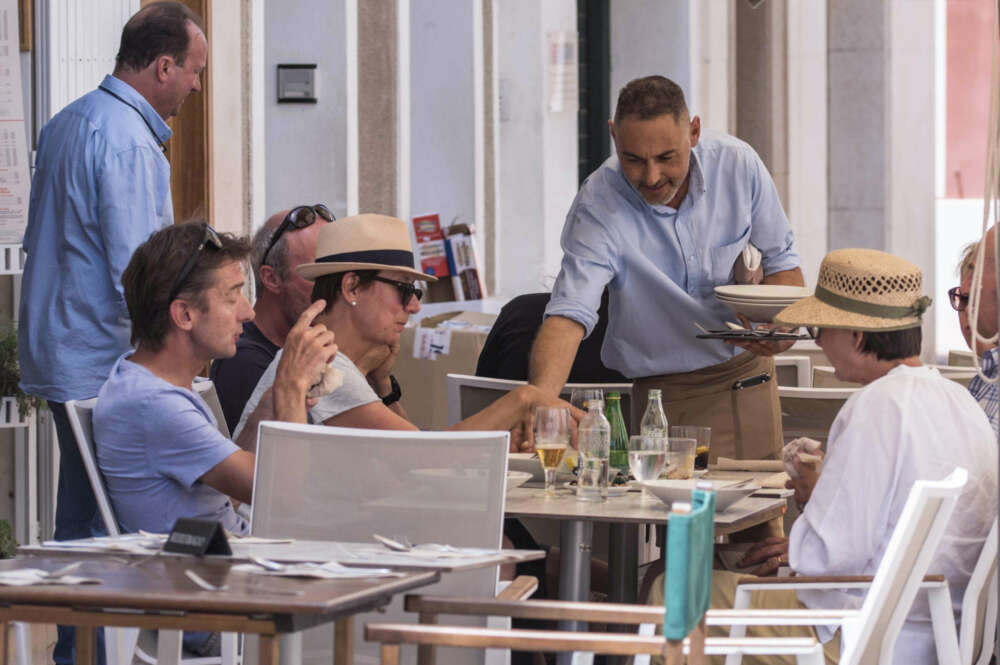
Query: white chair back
(871, 637)
(808, 348)
(977, 633)
(206, 388)
(469, 394)
(81, 420)
(823, 376)
(334, 483)
(793, 371)
(810, 411)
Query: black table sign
(198, 537)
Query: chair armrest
(520, 588)
(553, 610)
(776, 617)
(824, 582)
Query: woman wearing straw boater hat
(906, 423)
(364, 271)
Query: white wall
(651, 37)
(538, 148)
(442, 148)
(306, 144)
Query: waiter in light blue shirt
(660, 224)
(101, 187)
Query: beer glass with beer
(552, 433)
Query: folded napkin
(258, 540)
(747, 269)
(809, 451)
(729, 464)
(331, 570)
(33, 576)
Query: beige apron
(745, 422)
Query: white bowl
(517, 478)
(669, 491)
(761, 313)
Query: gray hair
(968, 260)
(277, 259)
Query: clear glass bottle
(654, 420)
(595, 451)
(619, 434)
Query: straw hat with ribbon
(362, 242)
(862, 289)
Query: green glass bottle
(619, 435)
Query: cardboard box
(423, 380)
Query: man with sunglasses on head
(158, 445)
(985, 346)
(286, 239)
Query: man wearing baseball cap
(906, 423)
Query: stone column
(377, 106)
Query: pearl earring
(354, 303)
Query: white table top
(633, 508)
(362, 555)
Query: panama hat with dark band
(861, 289)
(362, 242)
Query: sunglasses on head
(406, 290)
(959, 301)
(298, 218)
(210, 237)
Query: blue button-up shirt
(661, 264)
(985, 392)
(101, 187)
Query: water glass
(680, 458)
(647, 455)
(552, 432)
(580, 396)
(702, 437)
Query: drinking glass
(580, 396)
(552, 432)
(680, 457)
(647, 455)
(702, 437)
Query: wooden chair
(868, 635)
(439, 487)
(121, 643)
(688, 588)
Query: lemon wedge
(570, 459)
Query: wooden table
(156, 594)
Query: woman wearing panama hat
(907, 423)
(364, 271)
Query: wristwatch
(394, 394)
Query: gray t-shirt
(154, 441)
(354, 392)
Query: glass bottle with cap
(619, 434)
(654, 420)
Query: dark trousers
(76, 509)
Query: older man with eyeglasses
(287, 239)
(984, 343)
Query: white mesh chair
(810, 411)
(793, 371)
(343, 484)
(468, 395)
(121, 643)
(978, 630)
(868, 635)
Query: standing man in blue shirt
(660, 224)
(101, 187)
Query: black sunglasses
(959, 301)
(298, 218)
(211, 237)
(406, 290)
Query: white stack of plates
(760, 302)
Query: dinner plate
(763, 313)
(763, 291)
(517, 478)
(669, 491)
